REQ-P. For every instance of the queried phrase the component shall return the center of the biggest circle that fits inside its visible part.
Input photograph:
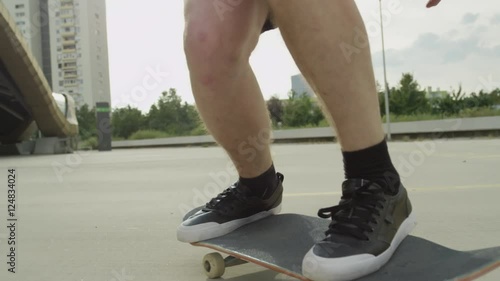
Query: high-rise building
(29, 19)
(79, 49)
(300, 85)
(69, 40)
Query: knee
(207, 43)
(214, 45)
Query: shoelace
(228, 195)
(355, 212)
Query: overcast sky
(456, 42)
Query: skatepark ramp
(26, 99)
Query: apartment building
(69, 40)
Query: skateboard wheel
(214, 265)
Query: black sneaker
(367, 227)
(231, 209)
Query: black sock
(260, 184)
(373, 164)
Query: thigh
(268, 25)
(225, 21)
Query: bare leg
(315, 31)
(218, 44)
(375, 214)
(219, 38)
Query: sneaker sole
(205, 231)
(353, 267)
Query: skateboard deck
(280, 242)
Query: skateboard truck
(215, 265)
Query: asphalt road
(112, 216)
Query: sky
(456, 43)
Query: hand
(432, 3)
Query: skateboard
(265, 243)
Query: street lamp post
(386, 95)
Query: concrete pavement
(112, 216)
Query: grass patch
(148, 134)
(480, 112)
(90, 143)
(413, 118)
(466, 113)
(200, 130)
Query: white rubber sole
(353, 267)
(205, 231)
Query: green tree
(450, 104)
(276, 109)
(127, 121)
(479, 100)
(300, 110)
(381, 101)
(172, 116)
(495, 96)
(408, 99)
(87, 122)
